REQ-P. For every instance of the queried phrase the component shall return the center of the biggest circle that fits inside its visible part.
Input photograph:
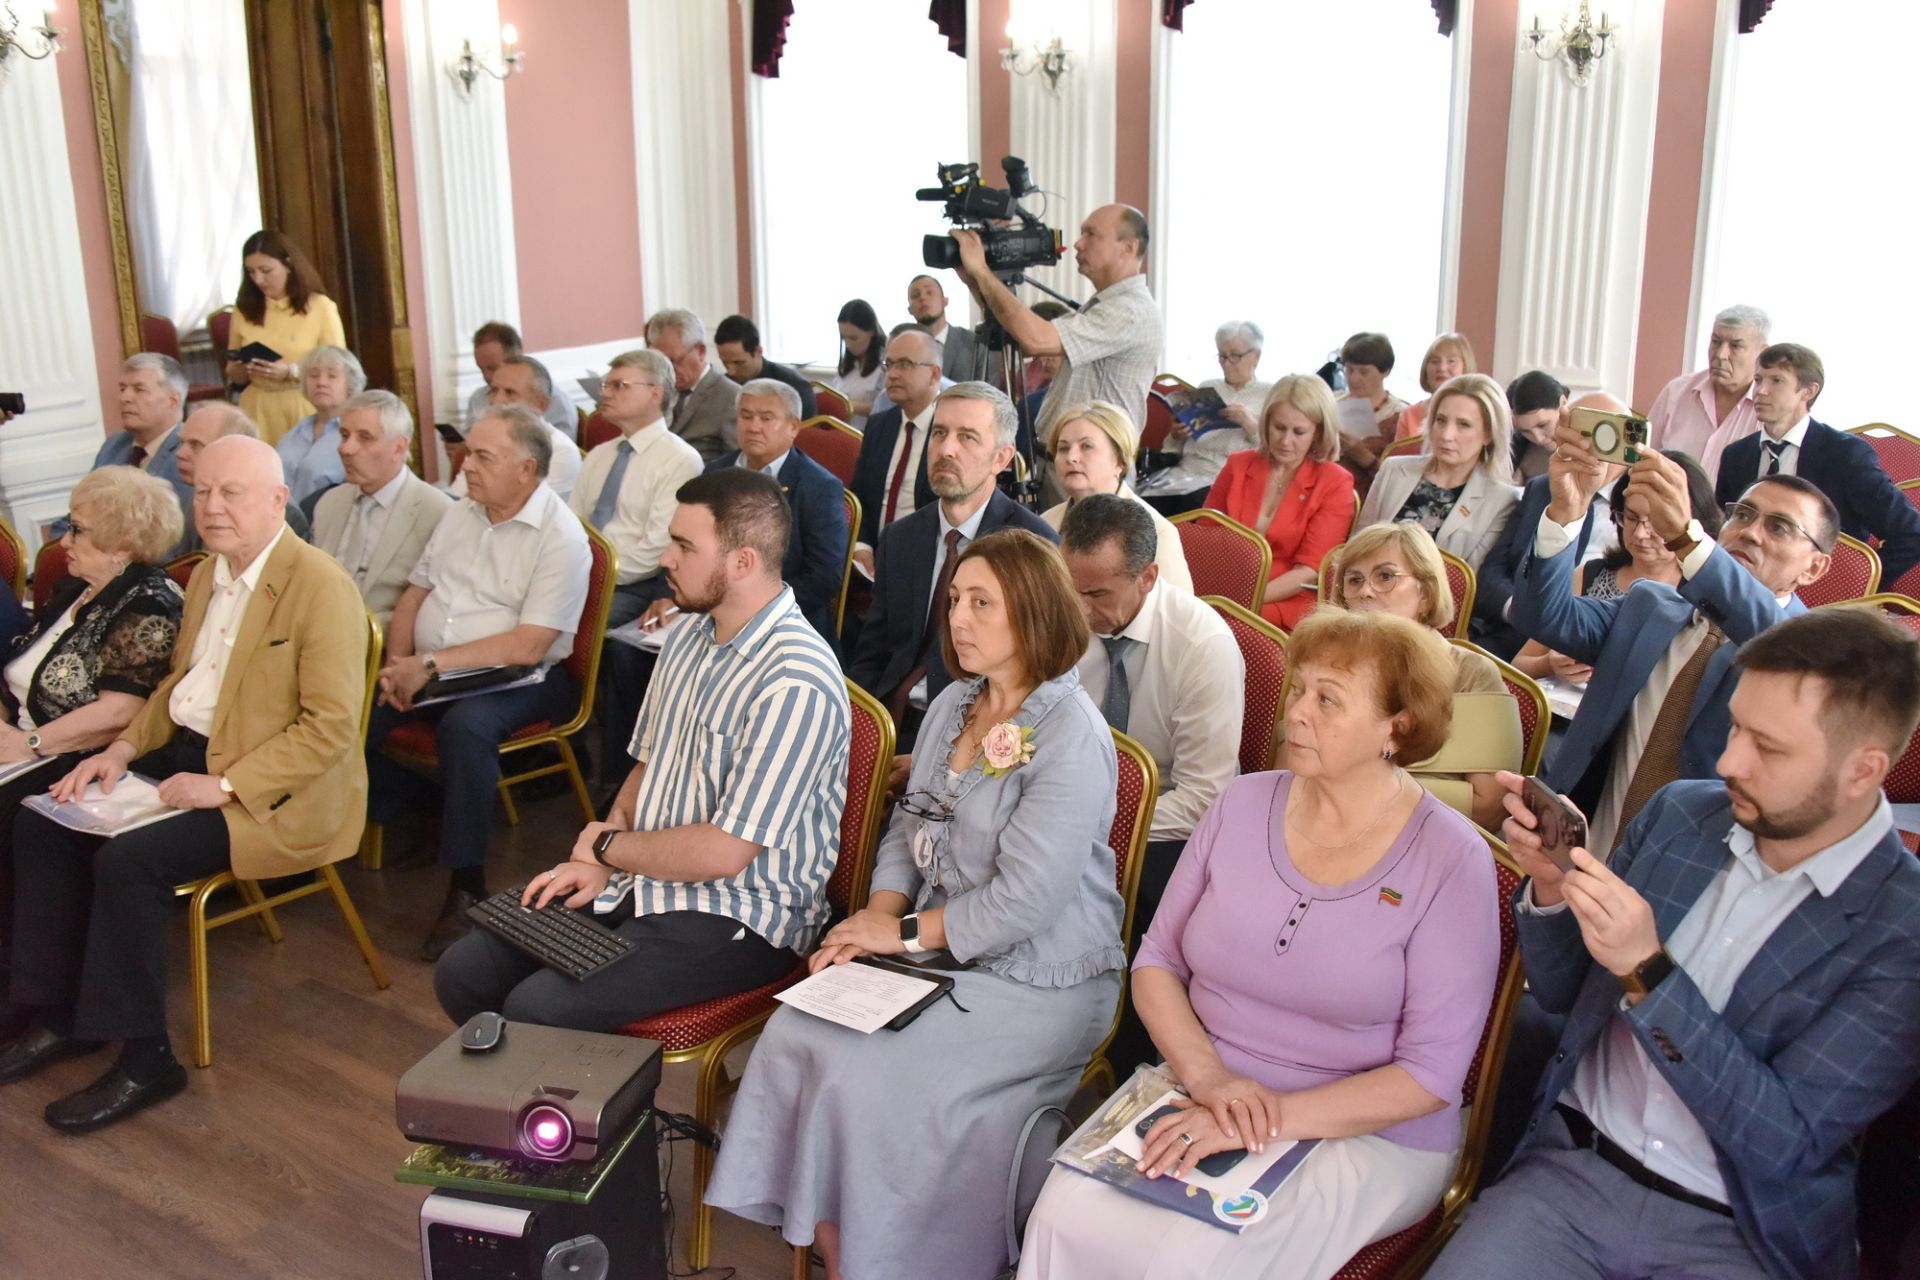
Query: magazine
(1200, 410)
(134, 802)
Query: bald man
(254, 737)
(203, 426)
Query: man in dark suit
(890, 475)
(1738, 989)
(1656, 707)
(736, 340)
(702, 412)
(1843, 466)
(959, 353)
(897, 658)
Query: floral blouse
(121, 641)
(1429, 505)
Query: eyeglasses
(1775, 526)
(1633, 522)
(621, 384)
(927, 806)
(901, 366)
(1227, 357)
(1381, 579)
(76, 529)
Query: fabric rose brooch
(1005, 748)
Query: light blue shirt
(310, 454)
(771, 469)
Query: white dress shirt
(1186, 683)
(563, 471)
(662, 462)
(484, 579)
(905, 506)
(1789, 457)
(1685, 416)
(198, 692)
(1617, 1085)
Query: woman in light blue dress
(890, 1152)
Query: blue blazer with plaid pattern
(1821, 1034)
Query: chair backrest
(1263, 648)
(869, 760)
(583, 660)
(1399, 448)
(13, 561)
(157, 333)
(1903, 779)
(1536, 717)
(846, 572)
(1853, 575)
(1134, 797)
(49, 571)
(220, 329)
(1159, 421)
(1461, 584)
(832, 403)
(597, 429)
(831, 443)
(181, 568)
(1899, 452)
(1164, 382)
(1226, 558)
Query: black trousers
(12, 793)
(90, 916)
(1131, 1043)
(681, 957)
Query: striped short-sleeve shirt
(752, 736)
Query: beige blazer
(416, 514)
(286, 727)
(1471, 528)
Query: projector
(516, 1088)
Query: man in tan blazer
(378, 522)
(254, 737)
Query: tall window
(1814, 220)
(1305, 180)
(867, 103)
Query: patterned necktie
(899, 472)
(609, 499)
(1774, 449)
(1660, 761)
(1119, 699)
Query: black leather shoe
(114, 1096)
(32, 1050)
(452, 925)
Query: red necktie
(899, 473)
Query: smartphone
(13, 402)
(448, 434)
(1613, 437)
(1561, 827)
(1214, 1165)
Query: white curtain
(192, 178)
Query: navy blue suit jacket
(871, 473)
(1623, 638)
(1820, 1036)
(895, 629)
(1847, 470)
(816, 559)
(1493, 581)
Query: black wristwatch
(601, 844)
(1649, 975)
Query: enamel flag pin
(1390, 896)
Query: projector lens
(546, 1133)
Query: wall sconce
(17, 37)
(1029, 49)
(1579, 44)
(469, 66)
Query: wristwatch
(602, 843)
(431, 663)
(1689, 538)
(910, 934)
(33, 742)
(1648, 975)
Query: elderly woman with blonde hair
(1094, 446)
(1460, 488)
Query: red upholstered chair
(1460, 583)
(1165, 382)
(181, 568)
(831, 403)
(157, 333)
(1854, 575)
(1903, 779)
(414, 742)
(257, 906)
(1137, 791)
(220, 330)
(1409, 1252)
(1227, 558)
(13, 561)
(597, 430)
(1536, 718)
(1159, 421)
(49, 571)
(708, 1031)
(1899, 452)
(1401, 448)
(1263, 647)
(831, 443)
(846, 574)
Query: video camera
(971, 204)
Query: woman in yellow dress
(280, 305)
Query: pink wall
(90, 209)
(1133, 99)
(742, 180)
(1496, 31)
(996, 85)
(576, 212)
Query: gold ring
(1187, 1138)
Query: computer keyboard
(561, 939)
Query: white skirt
(1349, 1193)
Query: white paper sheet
(651, 640)
(857, 995)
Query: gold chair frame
(18, 578)
(1412, 444)
(846, 571)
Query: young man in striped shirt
(729, 822)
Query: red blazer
(1314, 517)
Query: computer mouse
(482, 1032)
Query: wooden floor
(278, 1159)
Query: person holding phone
(280, 306)
(1738, 983)
(1320, 967)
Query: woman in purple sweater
(1320, 967)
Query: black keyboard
(558, 937)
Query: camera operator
(1110, 349)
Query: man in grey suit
(378, 522)
(959, 354)
(704, 399)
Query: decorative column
(1579, 168)
(470, 265)
(46, 338)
